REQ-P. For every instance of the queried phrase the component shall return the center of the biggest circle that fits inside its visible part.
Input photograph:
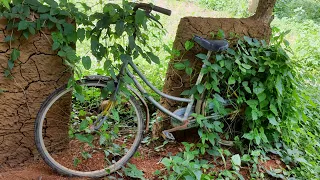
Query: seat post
(200, 77)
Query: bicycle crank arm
(167, 134)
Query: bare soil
(148, 160)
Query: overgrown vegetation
(254, 89)
(272, 94)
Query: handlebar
(150, 7)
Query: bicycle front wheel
(73, 139)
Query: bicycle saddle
(212, 45)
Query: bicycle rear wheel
(65, 137)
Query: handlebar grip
(161, 10)
(152, 7)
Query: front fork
(107, 105)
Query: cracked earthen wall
(37, 72)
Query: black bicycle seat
(212, 45)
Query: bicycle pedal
(168, 136)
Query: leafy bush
(256, 86)
(303, 9)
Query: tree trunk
(253, 4)
(256, 26)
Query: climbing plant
(110, 31)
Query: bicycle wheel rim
(67, 171)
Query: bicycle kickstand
(167, 134)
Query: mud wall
(37, 73)
(178, 81)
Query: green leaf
(272, 120)
(262, 97)
(6, 3)
(254, 114)
(80, 97)
(248, 136)
(219, 98)
(85, 6)
(200, 88)
(231, 51)
(102, 139)
(76, 162)
(188, 45)
(26, 34)
(201, 56)
(166, 162)
(185, 93)
(258, 90)
(106, 65)
(248, 39)
(153, 57)
(32, 30)
(55, 46)
(246, 66)
(236, 160)
(7, 73)
(23, 25)
(81, 34)
(115, 115)
(133, 172)
(43, 9)
(68, 29)
(255, 153)
(231, 80)
(219, 57)
(262, 69)
(62, 54)
(273, 108)
(82, 113)
(86, 61)
(83, 125)
(246, 157)
(221, 34)
(10, 64)
(140, 17)
(15, 54)
(245, 85)
(279, 85)
(179, 66)
(189, 70)
(84, 138)
(252, 103)
(119, 28)
(257, 137)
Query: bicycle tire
(56, 166)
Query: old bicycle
(98, 135)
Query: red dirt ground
(148, 161)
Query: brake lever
(153, 18)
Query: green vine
(110, 31)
